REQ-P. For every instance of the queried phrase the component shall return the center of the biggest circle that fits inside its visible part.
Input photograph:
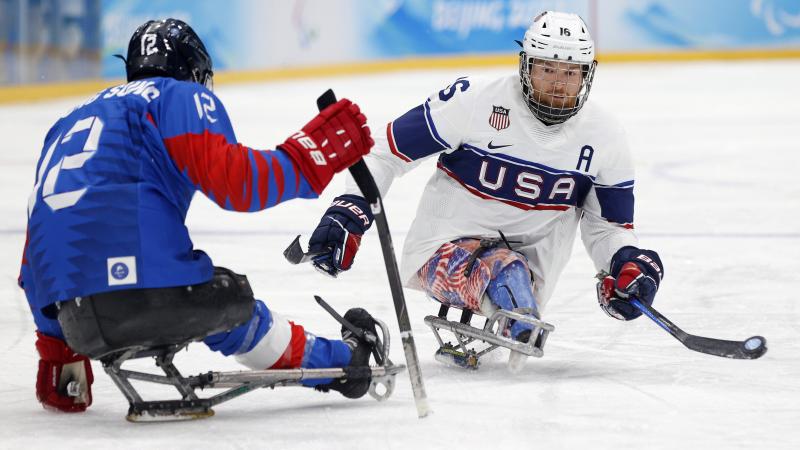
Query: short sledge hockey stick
(751, 348)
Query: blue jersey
(114, 183)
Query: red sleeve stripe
(392, 145)
(263, 182)
(220, 169)
(277, 170)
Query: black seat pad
(111, 322)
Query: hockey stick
(751, 348)
(369, 189)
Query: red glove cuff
(348, 252)
(53, 349)
(58, 367)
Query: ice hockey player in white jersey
(526, 155)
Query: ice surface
(718, 147)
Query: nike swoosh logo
(498, 146)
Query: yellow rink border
(50, 91)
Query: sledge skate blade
(158, 414)
(451, 356)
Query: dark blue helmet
(168, 48)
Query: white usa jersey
(500, 168)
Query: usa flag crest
(499, 118)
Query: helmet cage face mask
(559, 88)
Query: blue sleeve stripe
(616, 205)
(413, 136)
(393, 144)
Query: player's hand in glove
(334, 140)
(338, 235)
(634, 273)
(64, 381)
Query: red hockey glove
(333, 141)
(65, 378)
(634, 273)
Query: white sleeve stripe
(432, 127)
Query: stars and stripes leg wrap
(500, 273)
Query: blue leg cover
(324, 353)
(512, 288)
(243, 338)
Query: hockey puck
(754, 344)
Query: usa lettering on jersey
(522, 184)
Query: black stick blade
(751, 348)
(294, 253)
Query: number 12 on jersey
(46, 178)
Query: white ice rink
(718, 150)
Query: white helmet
(562, 38)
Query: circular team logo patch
(119, 271)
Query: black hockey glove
(338, 235)
(634, 273)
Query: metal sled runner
(491, 334)
(191, 406)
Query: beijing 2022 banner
(251, 34)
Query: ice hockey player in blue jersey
(525, 154)
(106, 231)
